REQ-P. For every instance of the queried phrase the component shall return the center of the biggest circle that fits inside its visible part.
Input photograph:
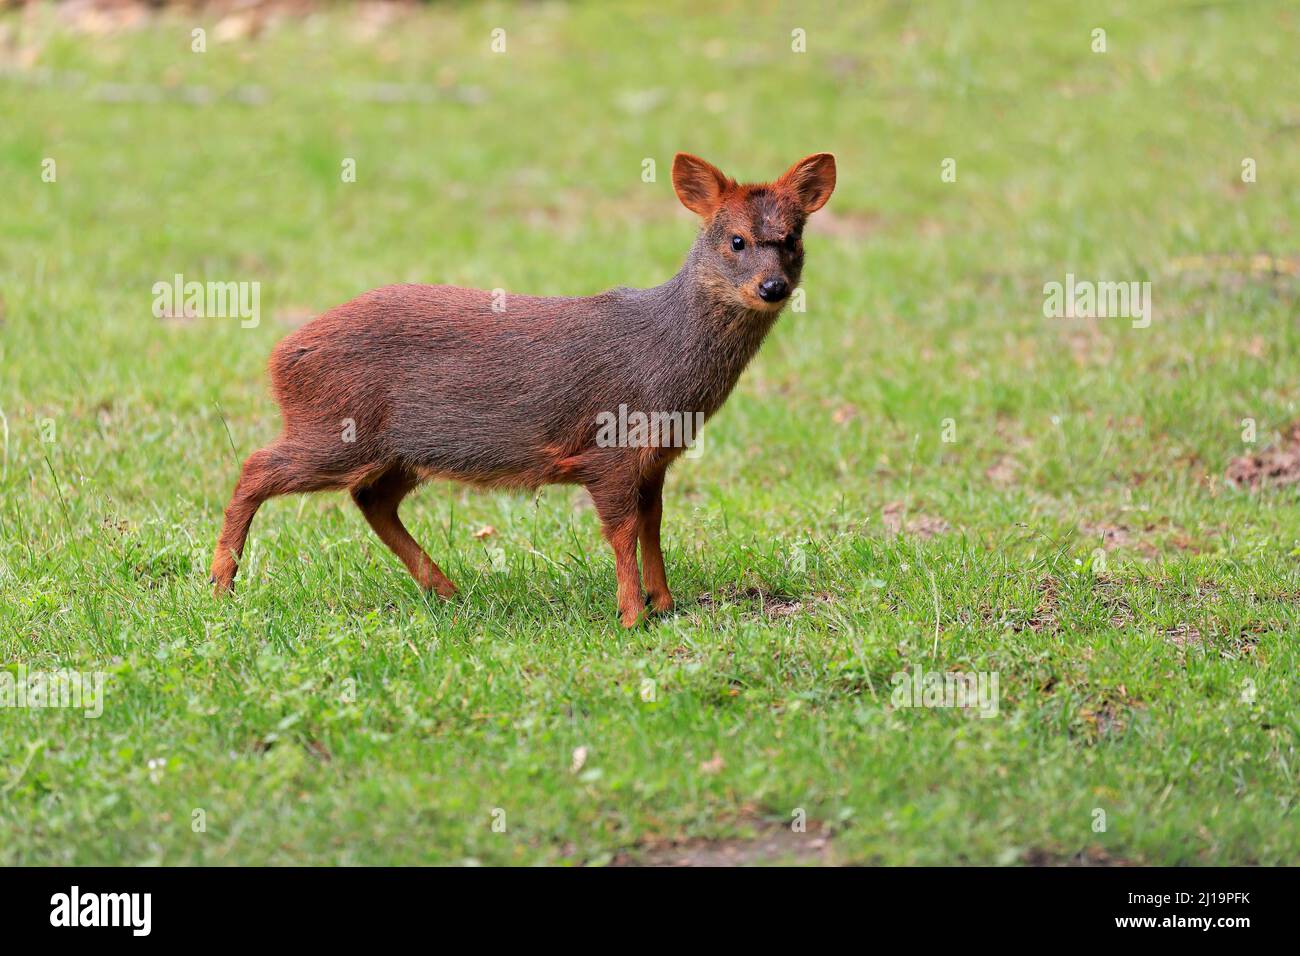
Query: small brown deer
(414, 382)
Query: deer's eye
(737, 243)
(791, 242)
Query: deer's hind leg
(378, 501)
(274, 470)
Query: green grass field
(1078, 538)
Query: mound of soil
(1275, 466)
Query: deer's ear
(812, 180)
(700, 185)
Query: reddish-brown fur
(443, 382)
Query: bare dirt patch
(1229, 643)
(770, 604)
(1111, 535)
(1091, 856)
(1273, 467)
(1007, 467)
(1088, 342)
(1237, 269)
(771, 845)
(1182, 635)
(1117, 607)
(1045, 612)
(844, 414)
(896, 519)
(1245, 640)
(1003, 472)
(1044, 616)
(1108, 716)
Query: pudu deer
(414, 382)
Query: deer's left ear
(812, 180)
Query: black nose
(773, 290)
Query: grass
(1077, 538)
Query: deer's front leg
(620, 520)
(650, 504)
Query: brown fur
(438, 384)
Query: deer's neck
(707, 338)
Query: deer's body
(412, 382)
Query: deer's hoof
(662, 603)
(222, 577)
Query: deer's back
(435, 377)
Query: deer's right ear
(700, 185)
